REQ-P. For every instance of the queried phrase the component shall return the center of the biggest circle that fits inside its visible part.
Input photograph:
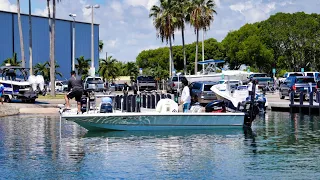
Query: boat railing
(134, 103)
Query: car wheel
(7, 99)
(280, 95)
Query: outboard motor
(106, 105)
(261, 101)
(250, 111)
(216, 106)
(33, 82)
(84, 103)
(40, 83)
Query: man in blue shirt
(1, 92)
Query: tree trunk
(30, 40)
(23, 61)
(52, 59)
(196, 59)
(171, 57)
(50, 43)
(202, 49)
(184, 52)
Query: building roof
(69, 20)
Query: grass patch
(58, 96)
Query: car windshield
(295, 74)
(145, 78)
(207, 87)
(95, 80)
(180, 78)
(305, 80)
(259, 75)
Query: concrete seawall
(40, 107)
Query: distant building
(10, 40)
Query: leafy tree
(182, 16)
(131, 69)
(100, 45)
(165, 21)
(82, 66)
(13, 61)
(201, 16)
(108, 69)
(42, 69)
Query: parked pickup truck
(290, 74)
(262, 78)
(94, 84)
(297, 84)
(146, 83)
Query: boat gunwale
(130, 114)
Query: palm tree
(56, 66)
(100, 45)
(108, 68)
(30, 39)
(13, 61)
(182, 14)
(165, 21)
(201, 16)
(21, 35)
(52, 44)
(42, 69)
(131, 69)
(83, 66)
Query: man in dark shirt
(75, 88)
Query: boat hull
(152, 121)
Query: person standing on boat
(185, 96)
(75, 88)
(1, 92)
(250, 84)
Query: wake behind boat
(140, 118)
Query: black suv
(297, 84)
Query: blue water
(281, 147)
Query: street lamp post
(73, 16)
(92, 69)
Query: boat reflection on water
(159, 134)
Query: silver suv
(200, 91)
(174, 83)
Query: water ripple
(282, 146)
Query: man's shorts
(77, 94)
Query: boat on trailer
(212, 72)
(18, 86)
(150, 119)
